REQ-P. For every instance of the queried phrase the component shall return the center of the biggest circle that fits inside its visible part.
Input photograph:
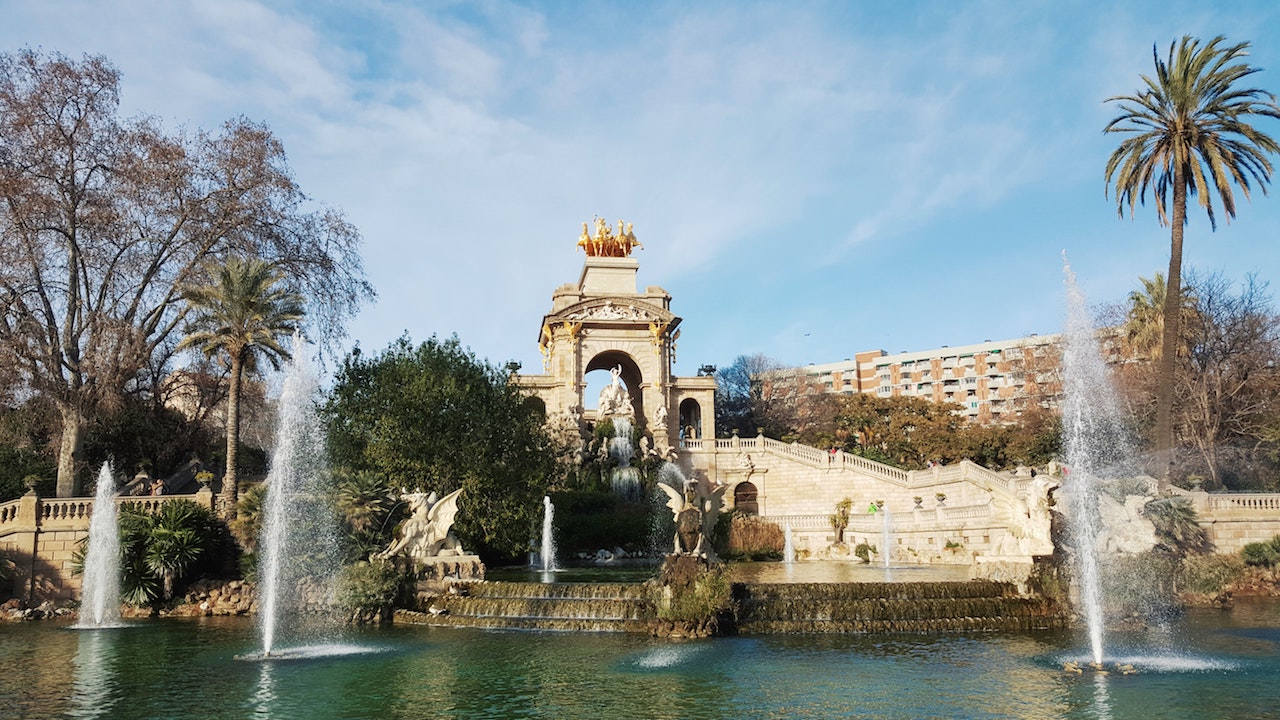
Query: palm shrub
(162, 549)
(1262, 554)
(247, 525)
(840, 520)
(1178, 530)
(365, 501)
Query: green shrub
(707, 596)
(161, 551)
(588, 520)
(1140, 585)
(369, 589)
(1209, 574)
(864, 552)
(1261, 554)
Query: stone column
(26, 543)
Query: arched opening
(745, 499)
(598, 376)
(690, 419)
(537, 406)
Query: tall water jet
(100, 596)
(1095, 446)
(788, 547)
(548, 559)
(297, 538)
(886, 535)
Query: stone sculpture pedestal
(434, 575)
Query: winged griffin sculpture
(427, 532)
(695, 512)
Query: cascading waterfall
(886, 535)
(100, 598)
(1095, 446)
(548, 559)
(297, 529)
(625, 479)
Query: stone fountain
(428, 548)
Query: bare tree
(1229, 392)
(103, 219)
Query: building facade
(991, 382)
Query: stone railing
(74, 513)
(799, 522)
(872, 523)
(8, 512)
(1244, 501)
(963, 471)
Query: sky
(809, 179)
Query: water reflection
(1101, 699)
(170, 669)
(264, 695)
(93, 688)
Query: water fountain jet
(548, 550)
(100, 599)
(297, 529)
(1095, 445)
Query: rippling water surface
(1207, 665)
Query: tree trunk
(1172, 332)
(230, 491)
(71, 452)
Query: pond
(1206, 664)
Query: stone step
(758, 609)
(557, 608)
(532, 590)
(959, 624)
(512, 623)
(879, 590)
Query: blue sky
(808, 179)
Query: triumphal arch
(603, 322)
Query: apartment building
(992, 382)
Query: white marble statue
(1125, 529)
(614, 400)
(1029, 521)
(427, 533)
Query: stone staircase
(595, 607)
(975, 605)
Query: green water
(1207, 665)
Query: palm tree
(1188, 132)
(1144, 323)
(241, 316)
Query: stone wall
(40, 536)
(799, 486)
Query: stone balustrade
(800, 485)
(41, 535)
